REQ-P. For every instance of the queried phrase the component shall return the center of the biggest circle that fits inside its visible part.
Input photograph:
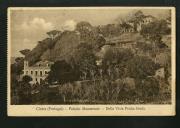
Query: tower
(26, 64)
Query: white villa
(38, 71)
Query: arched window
(36, 72)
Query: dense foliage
(62, 73)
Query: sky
(27, 27)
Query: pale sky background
(28, 26)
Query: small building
(38, 72)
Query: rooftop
(43, 64)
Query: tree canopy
(53, 33)
(26, 79)
(62, 72)
(156, 28)
(25, 52)
(83, 26)
(117, 56)
(17, 67)
(141, 67)
(84, 58)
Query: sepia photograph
(90, 56)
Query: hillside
(63, 47)
(37, 52)
(65, 43)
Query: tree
(150, 87)
(154, 31)
(114, 61)
(87, 32)
(19, 59)
(62, 72)
(111, 30)
(66, 91)
(25, 90)
(25, 52)
(125, 25)
(85, 59)
(141, 67)
(139, 13)
(17, 67)
(53, 33)
(136, 18)
(99, 42)
(16, 70)
(90, 35)
(14, 89)
(144, 46)
(37, 52)
(83, 26)
(26, 79)
(116, 56)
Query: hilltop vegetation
(59, 44)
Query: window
(41, 80)
(46, 72)
(40, 73)
(26, 72)
(36, 73)
(31, 72)
(36, 79)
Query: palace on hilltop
(38, 72)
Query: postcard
(91, 61)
